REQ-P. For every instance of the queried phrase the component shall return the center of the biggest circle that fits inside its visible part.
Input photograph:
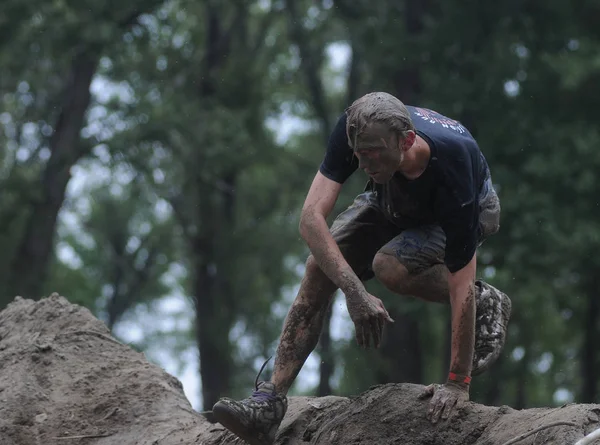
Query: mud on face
(379, 151)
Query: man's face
(379, 153)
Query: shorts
(363, 230)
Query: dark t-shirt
(446, 193)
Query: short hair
(377, 107)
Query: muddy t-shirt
(445, 194)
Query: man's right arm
(319, 203)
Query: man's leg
(419, 269)
(303, 325)
(412, 264)
(359, 231)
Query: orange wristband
(459, 378)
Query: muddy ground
(65, 381)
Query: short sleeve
(457, 208)
(461, 229)
(339, 162)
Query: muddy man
(428, 205)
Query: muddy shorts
(363, 230)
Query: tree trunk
(401, 352)
(30, 264)
(214, 299)
(327, 366)
(447, 349)
(212, 337)
(521, 395)
(310, 66)
(492, 395)
(128, 280)
(214, 218)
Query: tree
(63, 101)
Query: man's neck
(416, 159)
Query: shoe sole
(505, 310)
(228, 419)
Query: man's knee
(316, 287)
(390, 272)
(417, 249)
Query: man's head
(380, 131)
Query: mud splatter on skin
(463, 335)
(453, 394)
(326, 259)
(302, 326)
(304, 321)
(379, 129)
(300, 337)
(431, 284)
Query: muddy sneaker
(255, 419)
(491, 321)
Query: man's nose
(362, 164)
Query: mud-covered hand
(444, 399)
(369, 316)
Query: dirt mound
(65, 380)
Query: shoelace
(262, 396)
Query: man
(428, 205)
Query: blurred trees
(50, 62)
(173, 118)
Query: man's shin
(301, 332)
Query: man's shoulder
(338, 133)
(339, 162)
(437, 125)
(450, 141)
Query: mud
(65, 380)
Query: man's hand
(369, 316)
(445, 399)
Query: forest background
(154, 157)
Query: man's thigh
(418, 248)
(360, 231)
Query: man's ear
(351, 135)
(408, 140)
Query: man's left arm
(459, 218)
(461, 285)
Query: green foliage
(184, 183)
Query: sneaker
(255, 419)
(491, 321)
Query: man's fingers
(450, 404)
(431, 410)
(437, 405)
(387, 314)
